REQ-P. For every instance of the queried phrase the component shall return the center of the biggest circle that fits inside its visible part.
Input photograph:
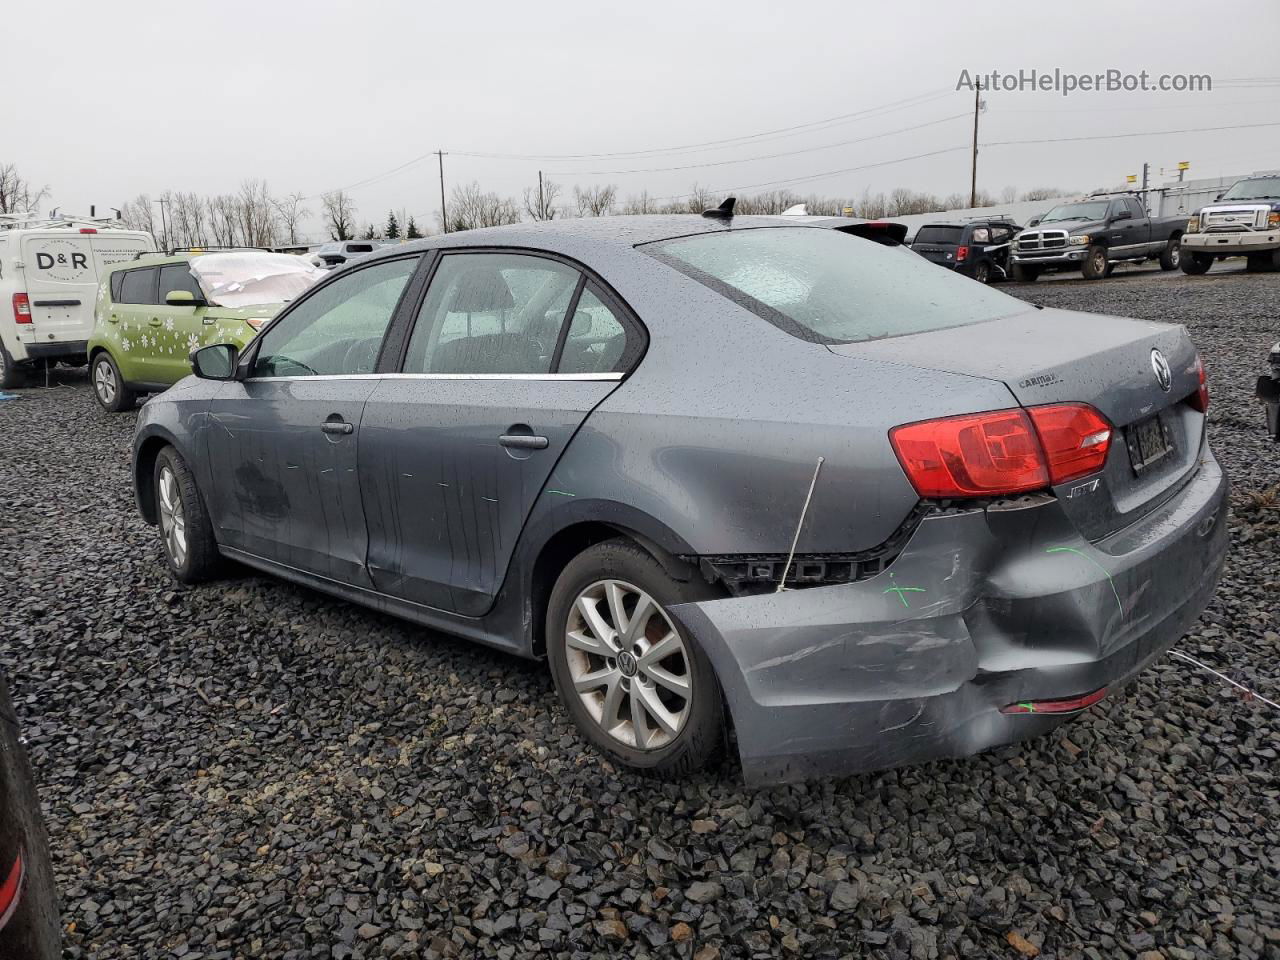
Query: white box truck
(49, 274)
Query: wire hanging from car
(782, 584)
(1253, 694)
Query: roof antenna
(722, 212)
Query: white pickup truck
(49, 274)
(1243, 222)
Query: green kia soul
(152, 312)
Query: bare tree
(339, 214)
(17, 194)
(471, 208)
(224, 219)
(256, 213)
(291, 212)
(595, 201)
(540, 204)
(639, 203)
(137, 214)
(1045, 193)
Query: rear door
(507, 356)
(62, 270)
(135, 305)
(938, 243)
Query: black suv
(975, 248)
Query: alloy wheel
(1175, 254)
(628, 664)
(173, 518)
(104, 381)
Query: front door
(494, 384)
(178, 330)
(283, 442)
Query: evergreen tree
(393, 226)
(412, 232)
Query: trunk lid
(1059, 356)
(62, 270)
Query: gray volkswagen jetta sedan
(721, 474)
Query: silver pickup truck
(1243, 222)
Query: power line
(818, 176)
(1146, 133)
(782, 132)
(767, 156)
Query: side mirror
(183, 298)
(1218, 197)
(216, 362)
(1033, 222)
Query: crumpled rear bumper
(984, 608)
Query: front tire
(1196, 264)
(1171, 256)
(108, 385)
(632, 678)
(1095, 265)
(1023, 273)
(186, 532)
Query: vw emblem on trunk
(1163, 374)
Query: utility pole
(164, 222)
(444, 213)
(1145, 168)
(973, 180)
(541, 208)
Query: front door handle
(340, 427)
(523, 441)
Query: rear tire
(1196, 264)
(108, 386)
(1171, 256)
(1023, 273)
(982, 272)
(628, 714)
(11, 375)
(1095, 265)
(186, 532)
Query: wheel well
(566, 544)
(144, 476)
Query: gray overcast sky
(116, 99)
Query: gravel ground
(249, 769)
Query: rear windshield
(826, 287)
(938, 234)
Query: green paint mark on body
(1085, 556)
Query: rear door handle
(523, 441)
(337, 427)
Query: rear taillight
(1075, 437)
(1200, 399)
(1064, 705)
(21, 308)
(977, 455)
(1002, 452)
(962, 253)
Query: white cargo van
(49, 273)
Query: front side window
(491, 313)
(338, 330)
(177, 276)
(822, 286)
(138, 286)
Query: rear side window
(491, 313)
(597, 340)
(821, 286)
(938, 234)
(138, 286)
(177, 276)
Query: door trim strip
(586, 377)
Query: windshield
(826, 287)
(252, 278)
(1261, 188)
(1092, 210)
(937, 234)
